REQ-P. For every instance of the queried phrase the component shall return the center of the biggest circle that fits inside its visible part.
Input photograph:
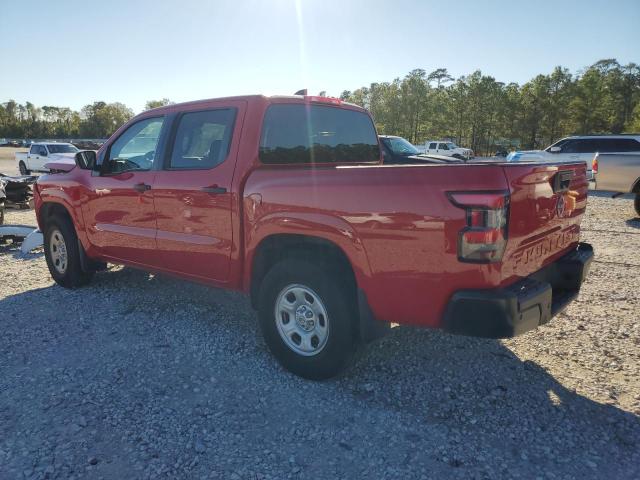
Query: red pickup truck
(287, 199)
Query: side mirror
(86, 159)
(555, 149)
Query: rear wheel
(306, 316)
(23, 169)
(62, 252)
(636, 204)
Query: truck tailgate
(546, 207)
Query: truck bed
(402, 219)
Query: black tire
(23, 169)
(72, 275)
(636, 204)
(338, 299)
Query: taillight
(594, 164)
(484, 237)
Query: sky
(71, 53)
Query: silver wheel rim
(302, 320)
(58, 251)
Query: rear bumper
(522, 306)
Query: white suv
(448, 149)
(581, 148)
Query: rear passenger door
(192, 192)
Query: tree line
(479, 112)
(475, 110)
(97, 120)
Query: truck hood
(526, 155)
(61, 161)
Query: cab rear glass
(309, 134)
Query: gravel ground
(141, 376)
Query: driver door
(119, 212)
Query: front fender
(309, 224)
(48, 195)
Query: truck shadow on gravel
(454, 402)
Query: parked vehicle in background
(618, 173)
(286, 199)
(501, 152)
(581, 148)
(399, 151)
(447, 149)
(41, 153)
(3, 142)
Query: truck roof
(259, 98)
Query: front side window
(202, 139)
(443, 146)
(570, 146)
(135, 149)
(34, 149)
(294, 133)
(433, 146)
(42, 151)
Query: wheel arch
(277, 247)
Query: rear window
(294, 133)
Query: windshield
(400, 146)
(61, 148)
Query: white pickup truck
(42, 153)
(448, 149)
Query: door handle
(214, 189)
(141, 187)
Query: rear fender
(315, 225)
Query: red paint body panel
(396, 224)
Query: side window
(432, 146)
(588, 145)
(202, 139)
(295, 133)
(570, 147)
(34, 149)
(42, 151)
(135, 148)
(608, 145)
(443, 146)
(621, 145)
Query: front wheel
(62, 252)
(23, 169)
(306, 316)
(636, 204)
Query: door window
(202, 139)
(135, 148)
(619, 145)
(42, 151)
(432, 146)
(570, 146)
(34, 149)
(443, 146)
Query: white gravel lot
(140, 376)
